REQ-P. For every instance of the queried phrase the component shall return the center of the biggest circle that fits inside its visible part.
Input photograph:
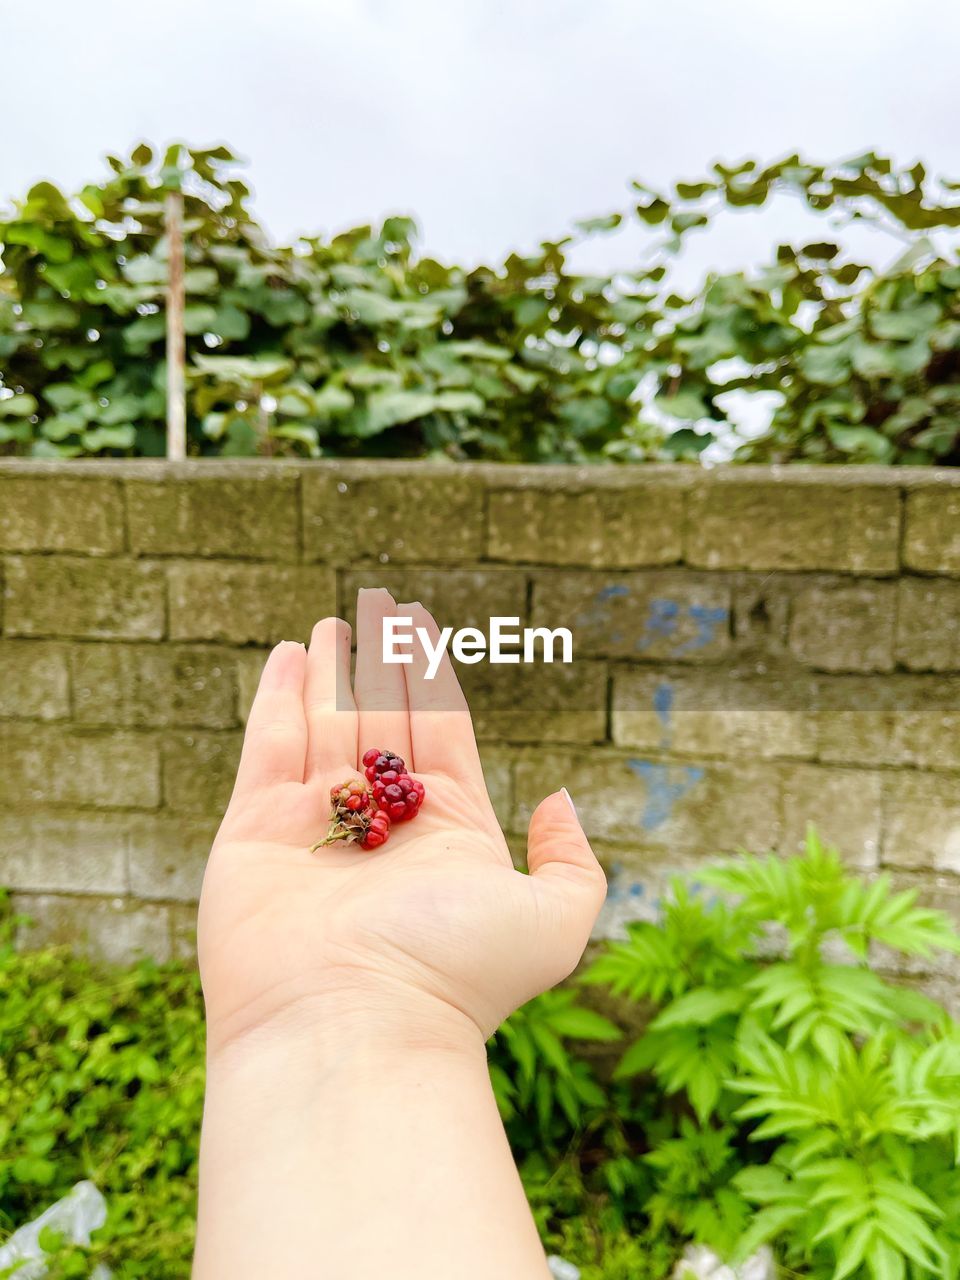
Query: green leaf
(699, 1007)
(123, 436)
(244, 369)
(390, 408)
(18, 406)
(581, 1023)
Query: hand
(434, 935)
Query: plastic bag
(560, 1269)
(81, 1211)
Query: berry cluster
(362, 813)
(355, 817)
(394, 791)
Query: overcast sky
(495, 122)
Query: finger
(379, 687)
(275, 743)
(328, 699)
(440, 723)
(563, 866)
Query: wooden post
(176, 343)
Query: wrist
(353, 1023)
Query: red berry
(369, 757)
(397, 810)
(392, 792)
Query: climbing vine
(362, 345)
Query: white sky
(495, 122)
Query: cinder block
(899, 720)
(60, 513)
(199, 770)
(730, 713)
(542, 702)
(658, 616)
(461, 597)
(921, 822)
(393, 514)
(63, 852)
(221, 600)
(252, 516)
(33, 680)
(112, 931)
(626, 522)
(843, 804)
(740, 522)
(843, 627)
(932, 534)
(154, 686)
(168, 852)
(928, 624)
(183, 932)
(46, 764)
(498, 775)
(83, 598)
(636, 801)
(761, 611)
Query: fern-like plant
(818, 1101)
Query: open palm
(438, 920)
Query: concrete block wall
(755, 648)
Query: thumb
(559, 854)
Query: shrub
(101, 1077)
(360, 346)
(821, 1102)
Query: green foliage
(101, 1077)
(820, 1108)
(357, 345)
(781, 1092)
(542, 1090)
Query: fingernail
(573, 808)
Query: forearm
(362, 1157)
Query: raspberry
(413, 799)
(377, 762)
(392, 789)
(355, 817)
(378, 832)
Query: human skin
(350, 1130)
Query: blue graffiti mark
(663, 702)
(621, 888)
(706, 620)
(665, 785)
(661, 621)
(598, 614)
(663, 706)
